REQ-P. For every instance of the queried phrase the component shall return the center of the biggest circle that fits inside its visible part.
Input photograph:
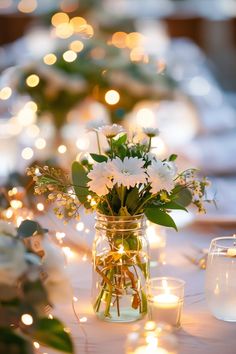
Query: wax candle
(145, 349)
(166, 300)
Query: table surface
(200, 331)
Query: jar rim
(222, 238)
(119, 217)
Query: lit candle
(151, 347)
(166, 305)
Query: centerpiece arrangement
(125, 184)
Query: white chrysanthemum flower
(151, 132)
(100, 178)
(94, 125)
(128, 172)
(110, 131)
(161, 175)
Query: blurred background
(68, 65)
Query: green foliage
(160, 217)
(182, 195)
(173, 157)
(12, 343)
(50, 332)
(99, 158)
(80, 180)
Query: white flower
(100, 178)
(110, 131)
(94, 125)
(12, 259)
(161, 175)
(57, 281)
(128, 172)
(7, 228)
(151, 132)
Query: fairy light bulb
(5, 93)
(40, 206)
(112, 97)
(50, 59)
(62, 149)
(27, 319)
(69, 56)
(32, 80)
(27, 153)
(59, 18)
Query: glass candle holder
(220, 282)
(156, 236)
(166, 296)
(152, 338)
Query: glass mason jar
(220, 278)
(120, 268)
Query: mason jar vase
(120, 268)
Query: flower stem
(98, 143)
(149, 144)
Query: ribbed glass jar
(120, 268)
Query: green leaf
(160, 217)
(29, 227)
(182, 195)
(121, 140)
(51, 333)
(132, 199)
(174, 205)
(80, 180)
(99, 158)
(173, 157)
(10, 343)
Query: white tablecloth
(201, 333)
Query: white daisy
(151, 132)
(128, 172)
(94, 125)
(161, 175)
(100, 179)
(110, 131)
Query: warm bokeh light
(40, 206)
(59, 18)
(27, 153)
(69, 56)
(27, 6)
(5, 93)
(26, 117)
(86, 31)
(64, 30)
(134, 39)
(31, 105)
(32, 80)
(76, 46)
(112, 97)
(32, 131)
(40, 143)
(62, 149)
(145, 117)
(16, 204)
(27, 319)
(80, 226)
(137, 54)
(119, 39)
(77, 22)
(82, 143)
(36, 345)
(50, 59)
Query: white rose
(12, 259)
